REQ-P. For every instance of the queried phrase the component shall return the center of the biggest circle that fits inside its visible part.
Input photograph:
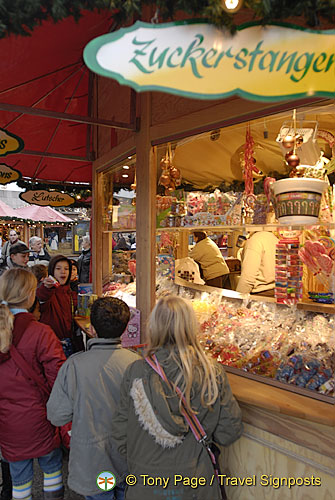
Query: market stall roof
(45, 83)
(7, 212)
(209, 159)
(41, 214)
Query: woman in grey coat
(148, 428)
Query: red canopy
(7, 212)
(46, 72)
(41, 214)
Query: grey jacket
(86, 391)
(150, 432)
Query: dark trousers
(6, 492)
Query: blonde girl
(149, 429)
(25, 432)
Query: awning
(44, 74)
(7, 212)
(42, 214)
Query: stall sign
(9, 143)
(197, 59)
(8, 174)
(45, 198)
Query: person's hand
(49, 282)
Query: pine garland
(20, 17)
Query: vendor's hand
(49, 282)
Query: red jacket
(25, 431)
(57, 308)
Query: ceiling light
(125, 175)
(126, 167)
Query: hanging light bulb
(232, 6)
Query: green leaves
(22, 16)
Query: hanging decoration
(170, 177)
(249, 166)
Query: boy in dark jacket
(58, 301)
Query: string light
(232, 6)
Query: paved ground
(38, 484)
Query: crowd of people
(127, 410)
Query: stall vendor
(258, 265)
(213, 268)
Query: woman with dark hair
(29, 353)
(213, 268)
(58, 301)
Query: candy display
(270, 340)
(84, 303)
(166, 266)
(288, 271)
(319, 256)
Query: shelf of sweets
(241, 227)
(283, 346)
(306, 305)
(253, 227)
(133, 230)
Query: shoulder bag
(193, 421)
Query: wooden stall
(286, 434)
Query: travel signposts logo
(106, 481)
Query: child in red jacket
(58, 301)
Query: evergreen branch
(20, 17)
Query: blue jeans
(22, 471)
(116, 494)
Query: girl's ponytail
(16, 285)
(6, 327)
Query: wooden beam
(46, 154)
(227, 113)
(44, 113)
(145, 216)
(118, 153)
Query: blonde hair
(173, 324)
(15, 287)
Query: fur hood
(157, 407)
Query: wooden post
(182, 248)
(145, 216)
(97, 228)
(107, 265)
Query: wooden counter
(284, 402)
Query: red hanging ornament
(249, 163)
(292, 159)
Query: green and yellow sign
(195, 59)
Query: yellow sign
(8, 174)
(47, 198)
(9, 143)
(267, 63)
